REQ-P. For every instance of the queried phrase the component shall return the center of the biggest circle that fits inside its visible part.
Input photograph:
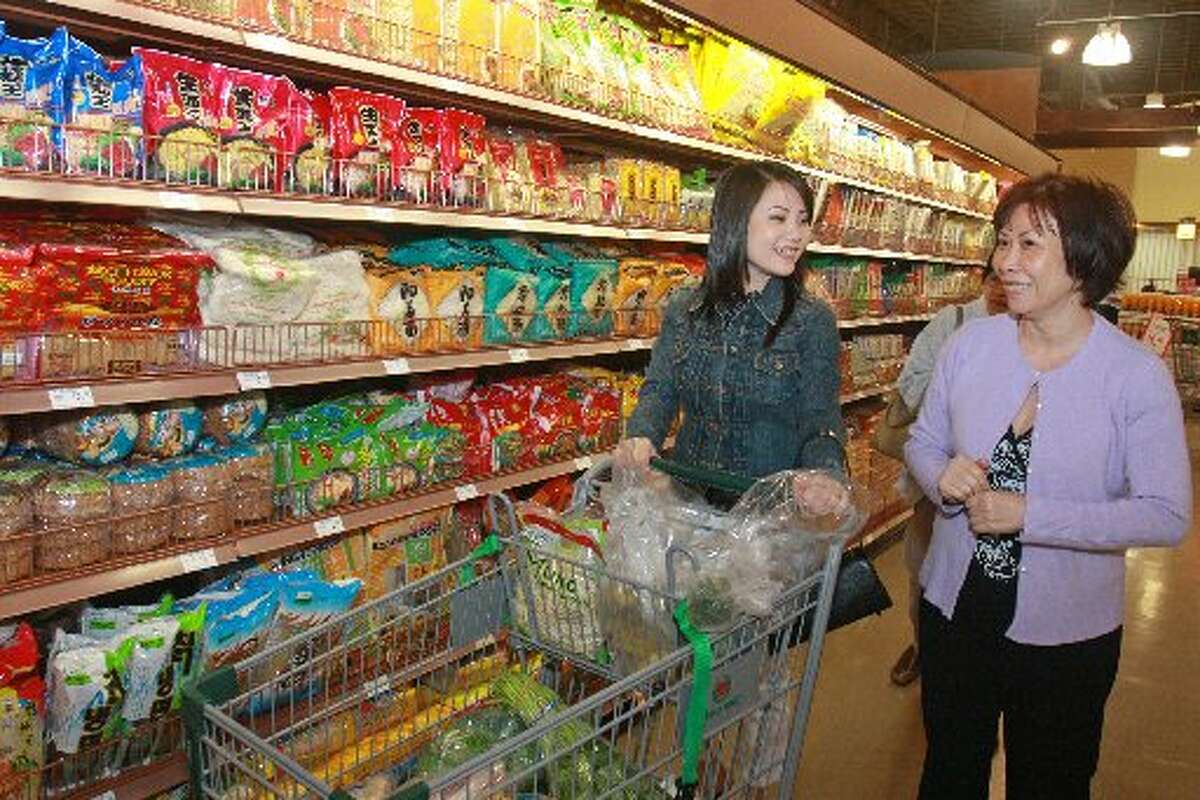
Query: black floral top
(989, 594)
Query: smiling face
(778, 231)
(1032, 268)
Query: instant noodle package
(104, 114)
(31, 100)
(368, 145)
(253, 127)
(181, 117)
(307, 153)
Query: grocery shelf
(137, 783)
(48, 592)
(226, 41)
(24, 398)
(893, 255)
(863, 394)
(91, 191)
(876, 322)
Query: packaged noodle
(203, 486)
(469, 29)
(456, 303)
(307, 152)
(95, 438)
(104, 115)
(287, 17)
(143, 498)
(400, 309)
(168, 429)
(32, 100)
(16, 527)
(253, 126)
(86, 690)
(422, 130)
(461, 151)
(633, 299)
(180, 117)
(509, 305)
(519, 39)
(368, 147)
(593, 283)
(252, 471)
(409, 31)
(546, 163)
(237, 418)
(509, 189)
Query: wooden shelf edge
(136, 783)
(892, 255)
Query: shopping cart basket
(1185, 357)
(356, 698)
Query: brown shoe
(908, 667)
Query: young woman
(749, 357)
(1050, 443)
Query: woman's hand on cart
(634, 453)
(818, 494)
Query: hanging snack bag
(32, 101)
(509, 305)
(519, 36)
(180, 118)
(469, 29)
(237, 418)
(461, 152)
(456, 300)
(593, 283)
(253, 127)
(508, 189)
(308, 142)
(94, 438)
(422, 132)
(86, 691)
(408, 32)
(104, 114)
(368, 146)
(400, 310)
(169, 429)
(546, 164)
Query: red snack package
(288, 17)
(368, 148)
(462, 418)
(462, 150)
(555, 494)
(507, 190)
(22, 306)
(18, 654)
(253, 127)
(308, 143)
(91, 233)
(180, 114)
(546, 165)
(421, 130)
(107, 288)
(600, 412)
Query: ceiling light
(1108, 48)
(1060, 46)
(1155, 100)
(1175, 151)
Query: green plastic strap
(703, 477)
(488, 547)
(697, 713)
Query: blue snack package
(593, 284)
(104, 114)
(32, 100)
(509, 303)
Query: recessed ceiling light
(1155, 100)
(1175, 151)
(1060, 46)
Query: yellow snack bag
(400, 310)
(456, 299)
(469, 27)
(633, 300)
(519, 36)
(404, 551)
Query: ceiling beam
(1134, 127)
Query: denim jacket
(746, 409)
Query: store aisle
(865, 740)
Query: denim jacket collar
(767, 302)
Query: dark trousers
(1051, 700)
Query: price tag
(179, 200)
(378, 686)
(583, 463)
(518, 355)
(468, 492)
(330, 526)
(76, 397)
(254, 380)
(201, 559)
(396, 366)
(635, 344)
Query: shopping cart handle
(703, 477)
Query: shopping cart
(346, 708)
(1185, 357)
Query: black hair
(737, 193)
(1096, 226)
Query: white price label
(330, 526)
(468, 492)
(518, 355)
(635, 344)
(201, 559)
(76, 397)
(179, 200)
(378, 686)
(254, 380)
(583, 463)
(396, 366)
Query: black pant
(1051, 699)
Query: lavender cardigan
(1108, 471)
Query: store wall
(1009, 94)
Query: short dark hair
(737, 193)
(1095, 221)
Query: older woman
(1050, 443)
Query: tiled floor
(865, 740)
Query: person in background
(749, 356)
(913, 380)
(1049, 443)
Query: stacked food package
(857, 287)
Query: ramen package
(633, 300)
(546, 164)
(368, 146)
(32, 100)
(308, 143)
(235, 419)
(169, 430)
(180, 118)
(253, 127)
(509, 304)
(508, 189)
(421, 130)
(95, 438)
(553, 316)
(461, 152)
(399, 305)
(456, 300)
(593, 283)
(104, 111)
